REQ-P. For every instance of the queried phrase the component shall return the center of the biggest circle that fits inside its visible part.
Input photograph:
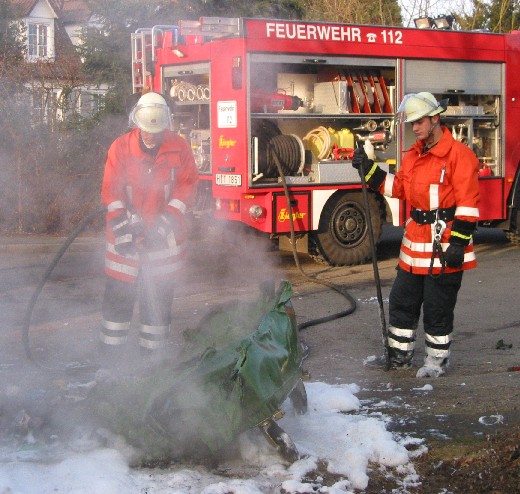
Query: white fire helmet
(151, 114)
(418, 105)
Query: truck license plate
(226, 179)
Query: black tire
(513, 237)
(342, 238)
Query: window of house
(37, 35)
(40, 107)
(97, 103)
(44, 105)
(91, 103)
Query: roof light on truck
(443, 22)
(423, 22)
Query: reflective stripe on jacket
(136, 182)
(445, 176)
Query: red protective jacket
(445, 176)
(138, 182)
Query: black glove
(123, 238)
(361, 162)
(172, 223)
(169, 230)
(374, 176)
(136, 227)
(462, 231)
(454, 255)
(461, 234)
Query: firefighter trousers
(436, 297)
(154, 300)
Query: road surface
(478, 396)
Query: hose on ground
(28, 314)
(344, 293)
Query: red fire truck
(274, 109)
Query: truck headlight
(256, 212)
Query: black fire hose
(321, 320)
(384, 331)
(28, 315)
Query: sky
(335, 430)
(412, 9)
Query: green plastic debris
(238, 366)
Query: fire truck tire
(342, 238)
(513, 237)
(513, 234)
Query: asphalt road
(478, 396)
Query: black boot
(400, 359)
(396, 359)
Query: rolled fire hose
(319, 142)
(28, 314)
(290, 153)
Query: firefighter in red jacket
(438, 178)
(148, 186)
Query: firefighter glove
(136, 227)
(366, 167)
(454, 256)
(360, 161)
(461, 235)
(123, 236)
(168, 231)
(462, 231)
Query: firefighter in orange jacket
(148, 186)
(439, 179)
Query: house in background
(55, 82)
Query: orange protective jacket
(445, 176)
(140, 183)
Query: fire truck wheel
(513, 237)
(342, 238)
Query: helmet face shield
(151, 114)
(151, 117)
(415, 106)
(400, 114)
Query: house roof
(68, 11)
(75, 12)
(24, 7)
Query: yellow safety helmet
(151, 114)
(418, 105)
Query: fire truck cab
(275, 108)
